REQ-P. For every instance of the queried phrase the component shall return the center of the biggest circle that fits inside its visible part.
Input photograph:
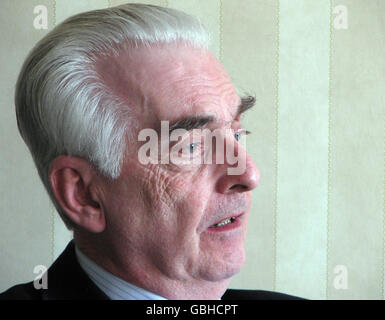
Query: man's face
(164, 214)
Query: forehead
(170, 82)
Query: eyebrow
(195, 122)
(246, 103)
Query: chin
(222, 267)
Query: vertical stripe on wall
(302, 147)
(249, 53)
(356, 218)
(276, 149)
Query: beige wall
(318, 140)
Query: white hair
(62, 104)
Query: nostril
(242, 186)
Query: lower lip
(230, 226)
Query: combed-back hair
(63, 107)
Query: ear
(74, 183)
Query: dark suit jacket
(68, 281)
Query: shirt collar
(114, 287)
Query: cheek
(179, 201)
(193, 206)
(161, 190)
(162, 200)
(168, 187)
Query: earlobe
(71, 179)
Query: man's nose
(247, 180)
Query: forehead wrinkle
(218, 92)
(180, 86)
(182, 77)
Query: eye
(239, 133)
(192, 147)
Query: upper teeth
(224, 222)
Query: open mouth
(223, 223)
(227, 223)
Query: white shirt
(114, 287)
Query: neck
(137, 270)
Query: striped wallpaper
(317, 68)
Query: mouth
(226, 224)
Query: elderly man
(144, 228)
